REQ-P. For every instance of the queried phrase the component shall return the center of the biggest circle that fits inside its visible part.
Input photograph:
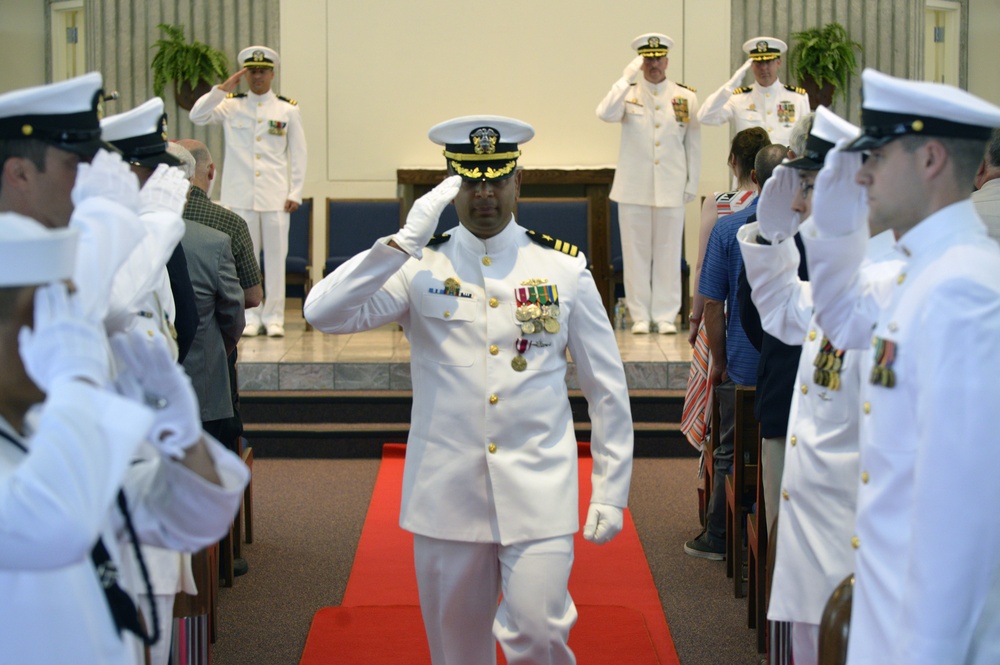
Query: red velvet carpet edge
(621, 618)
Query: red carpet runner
(621, 619)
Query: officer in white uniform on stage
(659, 163)
(927, 541)
(490, 486)
(264, 170)
(768, 103)
(820, 480)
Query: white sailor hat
(63, 114)
(827, 129)
(892, 107)
(481, 147)
(31, 254)
(652, 44)
(764, 48)
(258, 56)
(140, 134)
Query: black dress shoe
(240, 566)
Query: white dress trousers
(651, 259)
(269, 233)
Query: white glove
(106, 176)
(423, 217)
(632, 69)
(64, 343)
(149, 375)
(775, 218)
(734, 82)
(165, 191)
(604, 522)
(689, 197)
(839, 204)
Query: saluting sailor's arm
(717, 110)
(612, 107)
(782, 299)
(209, 108)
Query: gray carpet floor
(308, 519)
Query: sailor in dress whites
(659, 162)
(819, 483)
(927, 541)
(490, 486)
(768, 103)
(264, 170)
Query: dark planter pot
(818, 96)
(186, 96)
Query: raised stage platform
(380, 360)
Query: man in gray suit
(987, 195)
(219, 298)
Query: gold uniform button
(657, 144)
(805, 389)
(258, 174)
(492, 448)
(769, 129)
(868, 408)
(657, 161)
(487, 261)
(874, 341)
(784, 495)
(494, 399)
(769, 113)
(812, 335)
(258, 138)
(893, 327)
(447, 314)
(864, 477)
(793, 440)
(259, 121)
(657, 108)
(855, 542)
(901, 278)
(494, 303)
(657, 125)
(494, 349)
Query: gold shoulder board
(553, 243)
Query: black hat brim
(804, 163)
(152, 161)
(866, 142)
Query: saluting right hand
(423, 217)
(738, 76)
(229, 85)
(632, 68)
(107, 176)
(840, 204)
(775, 218)
(165, 191)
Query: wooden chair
(353, 225)
(741, 484)
(757, 569)
(835, 626)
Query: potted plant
(193, 67)
(821, 60)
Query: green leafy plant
(826, 54)
(180, 61)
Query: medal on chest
(537, 311)
(885, 356)
(828, 363)
(681, 113)
(276, 127)
(786, 112)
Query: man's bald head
(204, 167)
(768, 159)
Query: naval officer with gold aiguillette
(490, 487)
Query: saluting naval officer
(264, 170)
(490, 485)
(768, 103)
(927, 541)
(659, 162)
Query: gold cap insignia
(762, 46)
(918, 125)
(654, 42)
(258, 56)
(484, 140)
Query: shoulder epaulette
(236, 95)
(792, 88)
(439, 240)
(286, 99)
(740, 91)
(686, 87)
(558, 245)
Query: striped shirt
(720, 273)
(200, 209)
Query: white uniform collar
(496, 244)
(655, 88)
(261, 98)
(777, 86)
(952, 224)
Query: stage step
(342, 424)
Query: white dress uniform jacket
(57, 499)
(927, 581)
(820, 479)
(659, 159)
(491, 454)
(265, 147)
(776, 108)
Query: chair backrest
(563, 218)
(353, 225)
(300, 237)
